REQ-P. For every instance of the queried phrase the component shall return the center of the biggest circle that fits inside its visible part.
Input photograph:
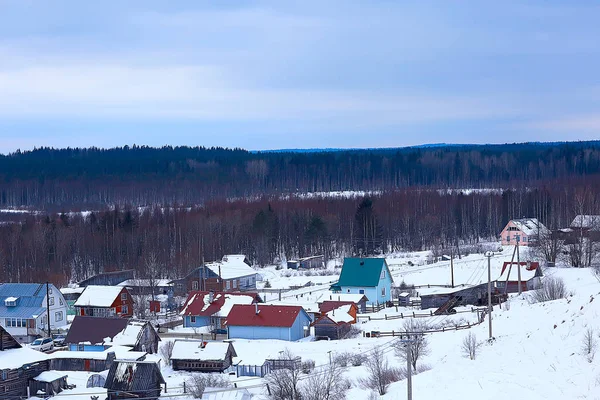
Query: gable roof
(591, 222)
(94, 329)
(99, 296)
(341, 314)
(512, 274)
(352, 297)
(329, 305)
(13, 355)
(272, 316)
(361, 272)
(530, 226)
(132, 376)
(7, 341)
(30, 299)
(198, 303)
(112, 277)
(194, 350)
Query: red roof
(533, 265)
(196, 306)
(280, 316)
(329, 305)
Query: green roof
(361, 272)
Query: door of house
(86, 365)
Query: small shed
(359, 299)
(201, 356)
(404, 299)
(134, 379)
(531, 275)
(307, 262)
(462, 295)
(48, 383)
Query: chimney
(202, 345)
(256, 310)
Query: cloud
(589, 123)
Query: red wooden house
(508, 282)
(105, 301)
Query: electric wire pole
(408, 343)
(489, 255)
(519, 266)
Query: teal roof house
(368, 276)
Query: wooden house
(201, 356)
(233, 273)
(92, 361)
(368, 276)
(17, 366)
(524, 231)
(460, 295)
(97, 333)
(71, 294)
(105, 301)
(49, 383)
(24, 310)
(210, 309)
(148, 287)
(268, 322)
(107, 278)
(336, 321)
(134, 379)
(508, 281)
(346, 307)
(311, 262)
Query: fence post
(393, 334)
(430, 313)
(184, 390)
(443, 328)
(402, 315)
(385, 315)
(413, 314)
(268, 389)
(396, 308)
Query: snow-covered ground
(537, 352)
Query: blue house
(255, 321)
(368, 276)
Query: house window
(227, 284)
(361, 291)
(124, 309)
(234, 284)
(193, 319)
(60, 301)
(123, 296)
(382, 273)
(508, 238)
(348, 291)
(49, 290)
(51, 301)
(524, 238)
(194, 285)
(4, 375)
(58, 316)
(383, 291)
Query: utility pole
(409, 371)
(489, 255)
(48, 308)
(519, 266)
(452, 266)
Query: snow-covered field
(537, 352)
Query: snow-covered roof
(340, 314)
(442, 290)
(50, 376)
(69, 290)
(99, 296)
(586, 222)
(129, 335)
(11, 299)
(211, 393)
(192, 350)
(530, 226)
(199, 304)
(15, 358)
(308, 307)
(146, 283)
(232, 268)
(355, 298)
(121, 353)
(512, 274)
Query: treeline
(60, 179)
(72, 246)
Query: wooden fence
(414, 315)
(412, 334)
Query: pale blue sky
(297, 74)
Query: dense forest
(174, 207)
(54, 179)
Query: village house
(18, 365)
(347, 307)
(446, 298)
(201, 356)
(508, 281)
(48, 383)
(24, 311)
(134, 379)
(289, 323)
(210, 309)
(107, 278)
(233, 273)
(105, 301)
(148, 287)
(311, 262)
(98, 333)
(93, 361)
(524, 231)
(367, 276)
(71, 294)
(336, 321)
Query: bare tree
(166, 351)
(199, 382)
(419, 345)
(380, 373)
(596, 271)
(589, 344)
(470, 345)
(552, 289)
(549, 247)
(326, 385)
(284, 383)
